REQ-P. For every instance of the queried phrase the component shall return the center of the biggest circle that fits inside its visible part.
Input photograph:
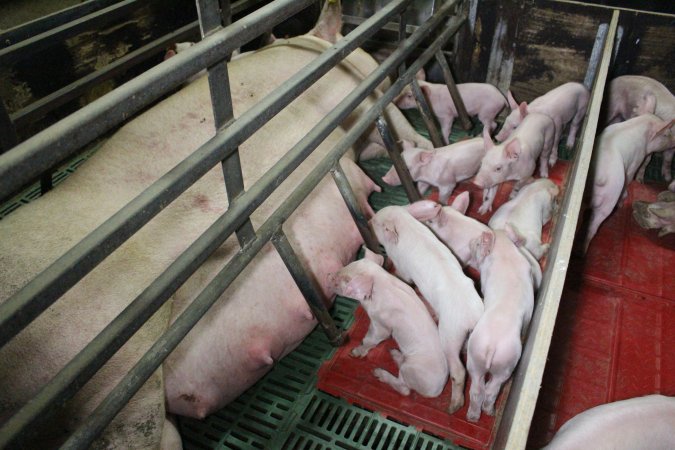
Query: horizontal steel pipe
(43, 106)
(45, 288)
(48, 148)
(121, 394)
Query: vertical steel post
(395, 155)
(454, 93)
(212, 16)
(401, 38)
(357, 214)
(308, 287)
(427, 115)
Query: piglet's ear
(513, 104)
(461, 203)
(426, 90)
(662, 128)
(487, 140)
(481, 247)
(405, 144)
(390, 233)
(523, 109)
(424, 209)
(512, 149)
(372, 256)
(424, 157)
(360, 288)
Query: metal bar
(46, 104)
(11, 55)
(52, 101)
(353, 205)
(307, 285)
(45, 288)
(517, 415)
(454, 92)
(401, 38)
(211, 19)
(49, 147)
(46, 183)
(394, 151)
(354, 20)
(172, 337)
(427, 115)
(34, 27)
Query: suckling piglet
(515, 158)
(508, 279)
(564, 104)
(450, 224)
(618, 154)
(421, 258)
(442, 167)
(395, 310)
(636, 423)
(480, 99)
(528, 212)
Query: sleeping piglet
(515, 158)
(442, 167)
(618, 154)
(395, 310)
(480, 99)
(659, 214)
(527, 213)
(508, 279)
(421, 258)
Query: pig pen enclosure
(602, 327)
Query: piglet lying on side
(638, 423)
(515, 158)
(421, 258)
(450, 224)
(443, 167)
(508, 279)
(395, 310)
(564, 104)
(659, 214)
(527, 213)
(618, 154)
(480, 99)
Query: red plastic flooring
(615, 334)
(352, 379)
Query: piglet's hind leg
(397, 383)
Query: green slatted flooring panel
(285, 411)
(33, 192)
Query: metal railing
(65, 137)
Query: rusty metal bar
(427, 115)
(357, 214)
(309, 288)
(454, 92)
(394, 151)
